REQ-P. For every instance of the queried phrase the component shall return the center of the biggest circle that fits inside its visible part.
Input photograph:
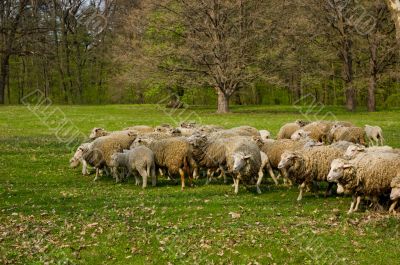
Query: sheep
(140, 129)
(78, 158)
(318, 130)
(102, 148)
(209, 152)
(245, 131)
(350, 134)
(287, 130)
(343, 145)
(243, 161)
(309, 165)
(163, 128)
(395, 193)
(99, 132)
(275, 148)
(354, 150)
(149, 137)
(208, 129)
(265, 134)
(370, 176)
(374, 135)
(174, 155)
(139, 159)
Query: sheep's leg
(260, 177)
(393, 206)
(115, 174)
(195, 173)
(85, 171)
(208, 177)
(236, 182)
(272, 174)
(301, 188)
(137, 179)
(97, 174)
(182, 174)
(153, 176)
(143, 174)
(329, 189)
(358, 200)
(353, 201)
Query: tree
(11, 13)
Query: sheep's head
(300, 134)
(395, 185)
(335, 127)
(197, 138)
(76, 159)
(96, 133)
(287, 160)
(302, 123)
(115, 159)
(337, 170)
(142, 140)
(265, 134)
(239, 161)
(353, 150)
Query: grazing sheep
(350, 134)
(370, 176)
(140, 129)
(374, 135)
(265, 135)
(265, 165)
(137, 160)
(174, 155)
(395, 193)
(102, 148)
(78, 158)
(354, 150)
(309, 165)
(243, 161)
(287, 130)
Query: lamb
(102, 148)
(265, 134)
(78, 157)
(350, 134)
(374, 135)
(370, 176)
(243, 160)
(395, 193)
(99, 132)
(354, 150)
(140, 129)
(309, 165)
(174, 155)
(137, 160)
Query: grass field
(51, 214)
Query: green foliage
(393, 101)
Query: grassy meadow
(51, 214)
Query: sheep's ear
(346, 166)
(247, 156)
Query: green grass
(49, 213)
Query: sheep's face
(287, 160)
(352, 151)
(114, 161)
(265, 135)
(96, 132)
(75, 160)
(395, 194)
(337, 170)
(239, 161)
(299, 134)
(196, 139)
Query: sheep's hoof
(258, 190)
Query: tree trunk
(350, 97)
(371, 93)
(3, 76)
(223, 102)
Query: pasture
(51, 214)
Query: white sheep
(265, 134)
(374, 135)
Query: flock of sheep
(304, 153)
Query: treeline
(336, 52)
